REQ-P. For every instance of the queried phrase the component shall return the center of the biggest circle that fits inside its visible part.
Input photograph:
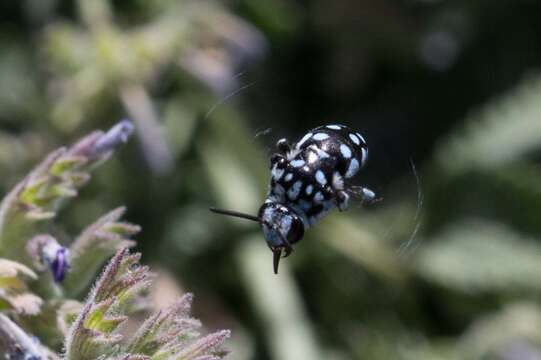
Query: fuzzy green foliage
(100, 240)
(170, 334)
(38, 197)
(38, 295)
(95, 331)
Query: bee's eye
(296, 231)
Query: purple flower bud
(56, 257)
(117, 135)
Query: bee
(308, 179)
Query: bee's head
(282, 227)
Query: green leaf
(67, 164)
(491, 335)
(477, 257)
(94, 245)
(31, 192)
(501, 132)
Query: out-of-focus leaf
(510, 193)
(288, 331)
(234, 171)
(395, 343)
(504, 332)
(51, 324)
(179, 122)
(14, 293)
(16, 151)
(192, 229)
(362, 246)
(11, 268)
(232, 181)
(477, 257)
(501, 132)
(16, 343)
(141, 109)
(278, 17)
(18, 90)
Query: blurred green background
(446, 266)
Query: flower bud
(47, 252)
(117, 135)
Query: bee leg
(367, 196)
(342, 200)
(288, 251)
(339, 194)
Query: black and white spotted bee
(308, 179)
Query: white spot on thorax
(293, 154)
(315, 154)
(353, 168)
(312, 156)
(294, 190)
(309, 189)
(345, 150)
(333, 127)
(303, 140)
(298, 163)
(320, 177)
(322, 153)
(320, 136)
(355, 139)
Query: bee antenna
(236, 214)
